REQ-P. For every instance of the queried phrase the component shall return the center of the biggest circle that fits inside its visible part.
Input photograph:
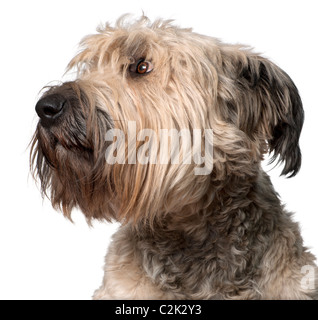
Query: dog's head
(157, 77)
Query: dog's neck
(236, 200)
(233, 232)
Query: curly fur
(219, 236)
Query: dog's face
(160, 77)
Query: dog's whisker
(164, 131)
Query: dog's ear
(267, 107)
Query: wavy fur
(224, 235)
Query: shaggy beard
(68, 157)
(69, 160)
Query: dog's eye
(141, 67)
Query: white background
(43, 255)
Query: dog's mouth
(68, 151)
(69, 126)
(57, 144)
(59, 136)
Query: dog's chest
(193, 267)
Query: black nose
(50, 108)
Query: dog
(218, 233)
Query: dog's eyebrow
(183, 173)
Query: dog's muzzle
(50, 108)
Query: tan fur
(124, 277)
(219, 236)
